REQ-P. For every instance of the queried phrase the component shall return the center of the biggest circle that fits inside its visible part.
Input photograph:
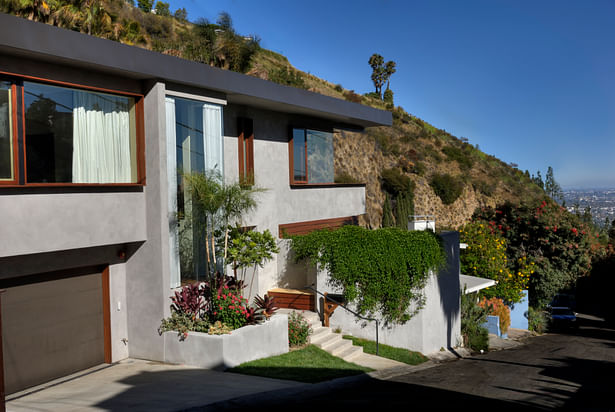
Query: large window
(194, 145)
(312, 157)
(69, 135)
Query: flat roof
(44, 42)
(471, 284)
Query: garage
(52, 326)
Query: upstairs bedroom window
(68, 135)
(311, 153)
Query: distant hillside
(410, 163)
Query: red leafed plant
(267, 304)
(189, 300)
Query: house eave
(42, 42)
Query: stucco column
(147, 271)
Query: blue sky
(531, 82)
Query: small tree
(181, 14)
(552, 188)
(250, 249)
(381, 72)
(145, 5)
(220, 205)
(162, 9)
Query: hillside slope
(445, 176)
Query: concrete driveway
(139, 385)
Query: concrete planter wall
(226, 351)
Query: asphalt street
(569, 370)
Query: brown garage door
(51, 328)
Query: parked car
(563, 317)
(564, 300)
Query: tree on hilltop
(552, 188)
(381, 72)
(145, 5)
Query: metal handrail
(349, 310)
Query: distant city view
(601, 202)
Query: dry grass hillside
(413, 161)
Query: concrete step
(350, 353)
(339, 347)
(322, 335)
(326, 339)
(329, 342)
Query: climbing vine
(382, 271)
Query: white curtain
(101, 139)
(213, 140)
(172, 193)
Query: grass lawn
(398, 354)
(309, 364)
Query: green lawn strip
(309, 364)
(390, 352)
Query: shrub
(229, 307)
(447, 187)
(463, 158)
(372, 95)
(496, 307)
(536, 320)
(183, 323)
(394, 181)
(345, 178)
(339, 88)
(486, 256)
(558, 243)
(287, 77)
(298, 329)
(351, 96)
(388, 98)
(475, 335)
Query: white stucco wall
(437, 325)
(46, 222)
(119, 318)
(281, 204)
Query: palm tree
(221, 205)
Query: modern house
(92, 135)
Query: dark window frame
(19, 131)
(245, 141)
(291, 157)
(14, 133)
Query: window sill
(70, 188)
(324, 185)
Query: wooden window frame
(245, 139)
(291, 157)
(14, 137)
(20, 135)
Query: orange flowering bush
(496, 307)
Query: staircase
(325, 339)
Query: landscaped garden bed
(228, 350)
